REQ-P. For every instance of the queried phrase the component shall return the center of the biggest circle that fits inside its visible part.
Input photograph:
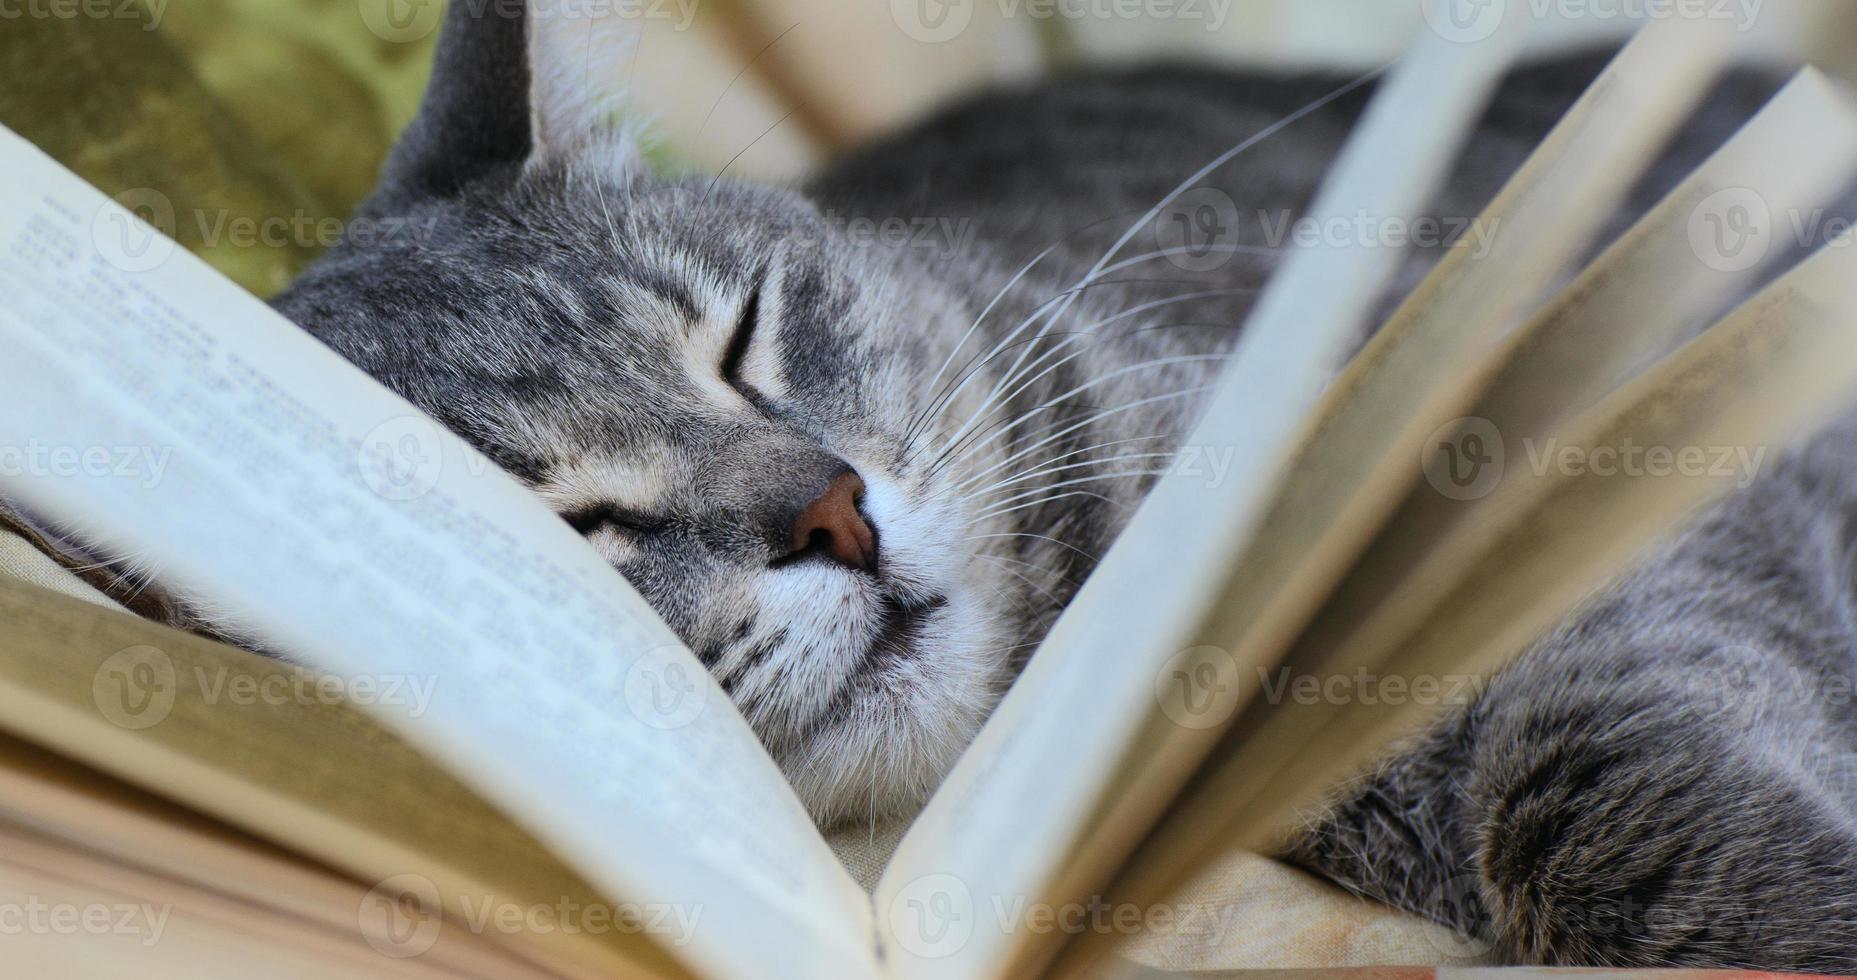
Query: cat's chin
(901, 723)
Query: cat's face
(730, 400)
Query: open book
(495, 760)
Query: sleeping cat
(860, 476)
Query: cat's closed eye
(737, 349)
(587, 520)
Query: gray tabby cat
(861, 477)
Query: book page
(88, 820)
(1776, 367)
(165, 412)
(1003, 831)
(1246, 574)
(1630, 308)
(78, 916)
(281, 753)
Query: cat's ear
(577, 64)
(512, 87)
(474, 117)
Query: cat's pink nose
(831, 525)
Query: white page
(149, 400)
(1085, 696)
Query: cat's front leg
(1615, 801)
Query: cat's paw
(1649, 843)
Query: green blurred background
(237, 111)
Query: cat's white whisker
(1229, 248)
(1086, 386)
(1048, 470)
(994, 508)
(1010, 340)
(935, 396)
(1029, 534)
(999, 401)
(1039, 503)
(996, 467)
(1221, 160)
(1015, 573)
(978, 320)
(1099, 416)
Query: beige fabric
(1247, 911)
(865, 850)
(21, 560)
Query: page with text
(167, 413)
